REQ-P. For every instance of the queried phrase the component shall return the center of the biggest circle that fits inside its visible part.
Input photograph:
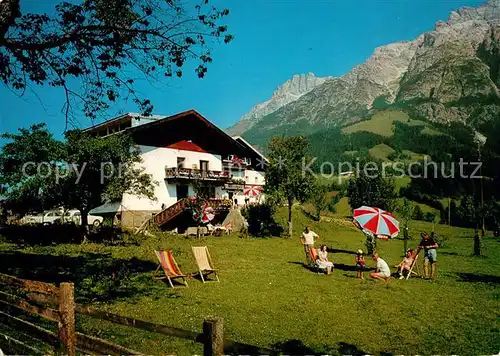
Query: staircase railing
(176, 209)
(171, 212)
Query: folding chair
(169, 266)
(413, 264)
(313, 253)
(204, 263)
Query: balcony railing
(232, 160)
(187, 173)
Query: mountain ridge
(448, 74)
(288, 92)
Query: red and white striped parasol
(376, 220)
(208, 214)
(252, 190)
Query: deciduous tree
(96, 50)
(371, 190)
(80, 172)
(287, 176)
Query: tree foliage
(106, 45)
(80, 172)
(286, 175)
(319, 199)
(371, 190)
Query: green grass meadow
(266, 296)
(382, 123)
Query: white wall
(250, 176)
(254, 177)
(155, 159)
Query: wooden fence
(57, 304)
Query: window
(203, 165)
(180, 162)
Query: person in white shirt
(383, 271)
(308, 238)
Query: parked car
(74, 216)
(45, 218)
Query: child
(405, 265)
(360, 264)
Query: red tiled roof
(186, 146)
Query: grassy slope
(381, 151)
(382, 123)
(266, 296)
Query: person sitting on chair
(322, 260)
(210, 228)
(383, 271)
(405, 264)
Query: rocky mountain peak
(450, 73)
(299, 84)
(288, 92)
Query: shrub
(429, 216)
(418, 214)
(319, 200)
(261, 220)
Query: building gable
(186, 146)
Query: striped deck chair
(416, 253)
(204, 263)
(169, 266)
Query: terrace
(174, 173)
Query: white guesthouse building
(176, 151)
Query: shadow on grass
(97, 277)
(449, 253)
(69, 233)
(305, 265)
(334, 250)
(296, 347)
(478, 278)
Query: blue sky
(274, 39)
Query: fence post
(66, 325)
(214, 337)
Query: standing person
(383, 271)
(360, 264)
(322, 261)
(429, 245)
(371, 241)
(308, 238)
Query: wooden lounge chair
(169, 266)
(416, 253)
(204, 263)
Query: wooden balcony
(195, 174)
(220, 204)
(234, 186)
(236, 162)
